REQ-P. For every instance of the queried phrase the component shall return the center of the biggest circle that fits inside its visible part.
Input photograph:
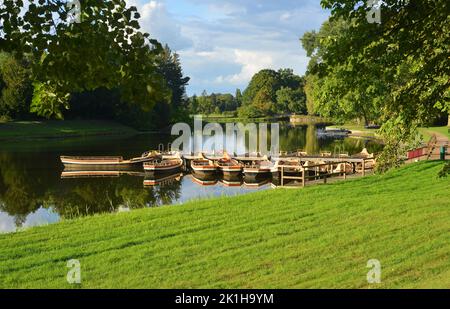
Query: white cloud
(223, 43)
(156, 20)
(251, 63)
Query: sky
(223, 43)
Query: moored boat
(203, 167)
(107, 161)
(163, 166)
(258, 169)
(289, 166)
(229, 166)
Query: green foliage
(266, 81)
(47, 102)
(104, 50)
(215, 103)
(273, 92)
(395, 73)
(15, 87)
(289, 100)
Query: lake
(32, 191)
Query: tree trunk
(448, 124)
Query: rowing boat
(203, 166)
(107, 161)
(163, 166)
(258, 169)
(227, 165)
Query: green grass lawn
(321, 237)
(66, 128)
(428, 132)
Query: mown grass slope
(318, 237)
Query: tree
(238, 97)
(290, 100)
(262, 91)
(16, 88)
(105, 49)
(407, 54)
(170, 68)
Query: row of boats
(154, 162)
(157, 163)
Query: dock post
(303, 177)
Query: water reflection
(35, 190)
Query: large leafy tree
(271, 92)
(400, 66)
(104, 49)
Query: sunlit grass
(321, 236)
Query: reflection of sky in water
(41, 216)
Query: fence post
(303, 177)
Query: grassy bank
(358, 130)
(427, 133)
(55, 129)
(320, 236)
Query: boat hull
(170, 167)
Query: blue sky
(223, 43)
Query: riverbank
(320, 236)
(358, 130)
(442, 132)
(23, 130)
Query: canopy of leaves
(262, 97)
(105, 49)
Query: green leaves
(104, 50)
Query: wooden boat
(163, 166)
(229, 166)
(203, 167)
(290, 167)
(108, 161)
(258, 169)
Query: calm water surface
(32, 191)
